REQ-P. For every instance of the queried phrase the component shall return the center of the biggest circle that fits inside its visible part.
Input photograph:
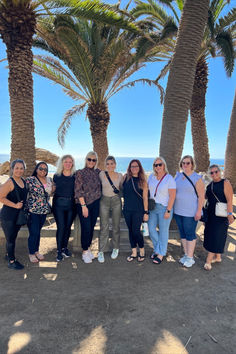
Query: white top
(162, 195)
(107, 189)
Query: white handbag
(221, 208)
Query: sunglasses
(186, 163)
(93, 160)
(135, 166)
(43, 169)
(157, 164)
(212, 172)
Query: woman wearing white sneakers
(110, 202)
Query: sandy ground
(117, 307)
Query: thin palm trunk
(99, 118)
(198, 121)
(230, 153)
(181, 79)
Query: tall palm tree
(17, 26)
(98, 60)
(217, 41)
(230, 156)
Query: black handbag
(151, 204)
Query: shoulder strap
(191, 183)
(158, 184)
(135, 188)
(45, 193)
(110, 181)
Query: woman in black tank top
(10, 193)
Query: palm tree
(230, 156)
(17, 26)
(217, 41)
(100, 58)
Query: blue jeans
(187, 227)
(35, 225)
(159, 238)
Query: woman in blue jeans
(189, 200)
(39, 189)
(162, 189)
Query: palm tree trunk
(180, 81)
(198, 121)
(99, 118)
(20, 83)
(230, 155)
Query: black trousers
(88, 224)
(10, 230)
(64, 217)
(134, 220)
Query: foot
(131, 258)
(189, 262)
(157, 259)
(91, 254)
(33, 258)
(86, 257)
(207, 266)
(153, 255)
(183, 259)
(115, 253)
(216, 260)
(66, 253)
(101, 258)
(141, 258)
(39, 256)
(15, 265)
(59, 256)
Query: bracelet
(230, 213)
(82, 205)
(146, 212)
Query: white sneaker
(101, 257)
(183, 259)
(115, 253)
(91, 255)
(189, 262)
(86, 257)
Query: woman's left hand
(145, 217)
(166, 215)
(230, 219)
(198, 215)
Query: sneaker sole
(65, 255)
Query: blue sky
(136, 115)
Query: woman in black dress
(216, 227)
(13, 196)
(135, 192)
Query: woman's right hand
(19, 205)
(85, 211)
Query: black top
(132, 201)
(218, 189)
(64, 186)
(9, 213)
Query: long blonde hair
(89, 154)
(60, 164)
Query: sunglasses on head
(212, 172)
(186, 163)
(43, 169)
(93, 160)
(157, 164)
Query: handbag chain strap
(214, 193)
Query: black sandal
(131, 258)
(157, 260)
(141, 258)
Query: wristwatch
(230, 213)
(146, 212)
(168, 211)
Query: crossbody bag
(115, 190)
(220, 208)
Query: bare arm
(145, 200)
(200, 187)
(6, 188)
(228, 191)
(172, 194)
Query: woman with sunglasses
(135, 192)
(40, 187)
(110, 201)
(63, 204)
(216, 227)
(13, 196)
(188, 205)
(162, 189)
(87, 197)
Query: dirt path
(116, 307)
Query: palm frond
(227, 20)
(66, 122)
(225, 44)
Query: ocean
(122, 162)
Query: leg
(210, 257)
(34, 232)
(85, 228)
(59, 215)
(69, 218)
(190, 225)
(153, 221)
(164, 225)
(10, 231)
(94, 212)
(41, 223)
(104, 223)
(116, 215)
(137, 219)
(179, 221)
(128, 220)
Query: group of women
(90, 192)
